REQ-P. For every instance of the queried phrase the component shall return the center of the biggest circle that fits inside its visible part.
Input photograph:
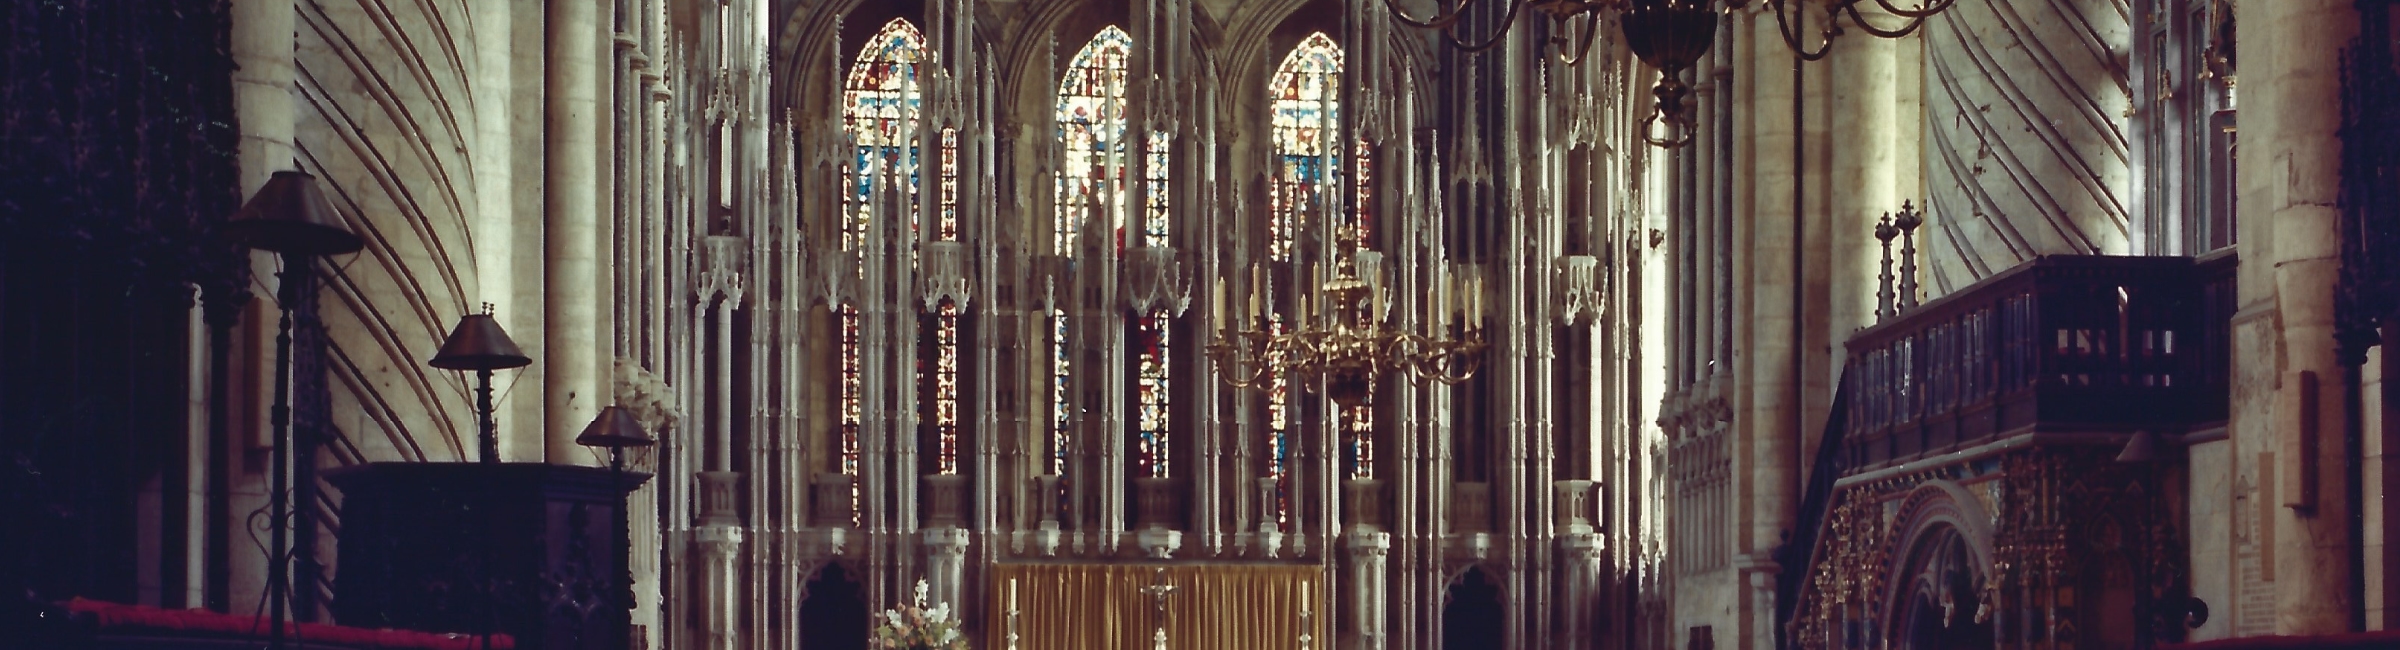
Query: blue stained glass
(1305, 112)
(1279, 433)
(878, 99)
(1091, 126)
(1358, 437)
(1156, 226)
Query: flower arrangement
(914, 627)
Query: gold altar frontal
(1107, 607)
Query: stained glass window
(1358, 436)
(1062, 437)
(945, 388)
(880, 102)
(1091, 126)
(1306, 109)
(1279, 433)
(946, 228)
(1091, 173)
(1156, 226)
(1362, 217)
(851, 392)
(1153, 382)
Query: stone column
(570, 342)
(1579, 620)
(1865, 103)
(721, 614)
(1773, 438)
(2289, 212)
(945, 566)
(263, 51)
(1368, 549)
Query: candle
(1474, 298)
(1219, 303)
(1450, 298)
(1304, 595)
(1012, 594)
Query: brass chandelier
(1670, 35)
(1348, 340)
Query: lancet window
(1091, 180)
(882, 110)
(1306, 116)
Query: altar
(1085, 606)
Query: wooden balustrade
(2062, 344)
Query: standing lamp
(289, 217)
(480, 345)
(615, 429)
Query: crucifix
(1159, 589)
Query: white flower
(894, 616)
(938, 614)
(921, 589)
(949, 635)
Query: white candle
(1450, 298)
(1219, 304)
(1474, 298)
(1304, 595)
(1012, 594)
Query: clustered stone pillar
(2290, 214)
(946, 566)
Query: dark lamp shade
(1669, 34)
(614, 428)
(289, 215)
(478, 344)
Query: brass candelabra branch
(1351, 343)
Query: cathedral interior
(1206, 324)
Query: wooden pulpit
(535, 551)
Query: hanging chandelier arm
(1591, 34)
(1783, 24)
(1905, 28)
(1506, 22)
(1444, 15)
(1437, 367)
(1923, 10)
(1679, 133)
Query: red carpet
(116, 618)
